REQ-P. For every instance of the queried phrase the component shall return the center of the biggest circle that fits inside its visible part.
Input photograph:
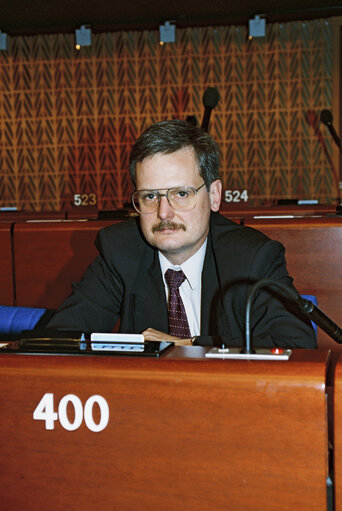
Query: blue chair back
(13, 320)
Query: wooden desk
(19, 216)
(6, 270)
(184, 432)
(247, 212)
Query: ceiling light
(82, 37)
(167, 33)
(257, 27)
(3, 41)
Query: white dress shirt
(190, 289)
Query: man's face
(177, 234)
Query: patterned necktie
(178, 322)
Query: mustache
(166, 224)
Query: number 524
(235, 195)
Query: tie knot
(174, 278)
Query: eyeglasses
(181, 198)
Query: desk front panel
(338, 434)
(188, 434)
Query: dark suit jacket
(125, 281)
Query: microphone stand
(305, 306)
(327, 120)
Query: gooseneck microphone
(210, 100)
(305, 306)
(327, 120)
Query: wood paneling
(6, 273)
(49, 256)
(69, 119)
(313, 247)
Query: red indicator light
(277, 351)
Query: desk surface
(183, 433)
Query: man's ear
(215, 193)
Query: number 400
(45, 412)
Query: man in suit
(174, 167)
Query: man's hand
(155, 335)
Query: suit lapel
(210, 293)
(217, 276)
(147, 302)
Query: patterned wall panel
(68, 119)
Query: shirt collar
(192, 267)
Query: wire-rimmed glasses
(181, 198)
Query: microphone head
(210, 97)
(326, 117)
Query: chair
(14, 320)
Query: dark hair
(167, 137)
